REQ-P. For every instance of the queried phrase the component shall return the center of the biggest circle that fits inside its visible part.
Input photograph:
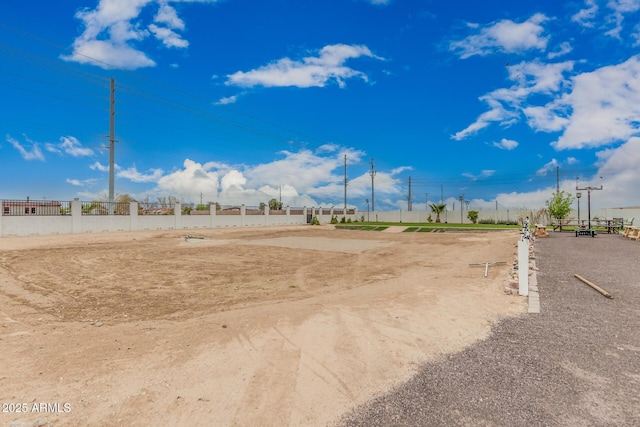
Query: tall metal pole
(589, 199)
(345, 185)
(372, 172)
(112, 140)
(461, 208)
(410, 203)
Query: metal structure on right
(588, 231)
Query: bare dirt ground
(270, 326)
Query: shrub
(315, 221)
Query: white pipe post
(523, 267)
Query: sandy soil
(269, 326)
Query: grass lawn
(423, 227)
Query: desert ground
(264, 326)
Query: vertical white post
(76, 216)
(133, 215)
(523, 267)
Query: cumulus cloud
(619, 9)
(302, 178)
(548, 167)
(102, 168)
(311, 71)
(227, 100)
(508, 105)
(133, 175)
(187, 183)
(506, 144)
(483, 174)
(114, 29)
(82, 183)
(71, 146)
(605, 106)
(34, 153)
(587, 15)
(503, 36)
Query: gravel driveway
(577, 363)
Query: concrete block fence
(75, 222)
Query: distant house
(30, 207)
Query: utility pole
(409, 204)
(372, 172)
(461, 208)
(557, 179)
(112, 140)
(426, 196)
(345, 185)
(588, 189)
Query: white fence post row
(523, 267)
(133, 212)
(76, 216)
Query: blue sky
(241, 101)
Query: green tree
(473, 216)
(275, 205)
(559, 206)
(437, 208)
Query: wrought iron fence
(97, 207)
(35, 207)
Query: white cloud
(604, 105)
(33, 154)
(563, 49)
(508, 104)
(71, 146)
(548, 167)
(113, 29)
(620, 8)
(82, 183)
(168, 37)
(304, 178)
(506, 144)
(227, 100)
(100, 167)
(312, 71)
(586, 16)
(483, 174)
(132, 174)
(504, 36)
(187, 183)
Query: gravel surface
(577, 363)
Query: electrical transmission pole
(112, 140)
(409, 204)
(372, 172)
(345, 185)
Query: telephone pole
(410, 203)
(372, 172)
(345, 185)
(112, 140)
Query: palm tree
(438, 209)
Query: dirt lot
(269, 326)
